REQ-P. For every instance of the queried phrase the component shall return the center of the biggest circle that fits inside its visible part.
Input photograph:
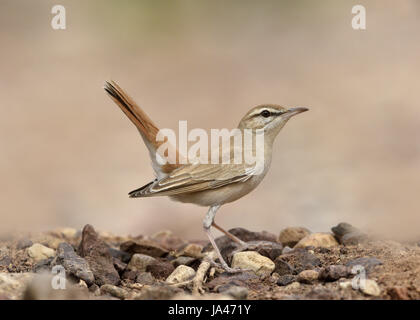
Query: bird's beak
(294, 111)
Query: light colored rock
(293, 286)
(180, 274)
(320, 239)
(308, 276)
(139, 262)
(191, 250)
(40, 252)
(12, 285)
(345, 284)
(115, 291)
(370, 288)
(292, 235)
(252, 260)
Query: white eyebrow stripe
(257, 112)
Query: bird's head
(269, 117)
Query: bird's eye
(265, 113)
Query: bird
(206, 184)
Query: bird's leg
(231, 236)
(207, 223)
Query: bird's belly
(220, 195)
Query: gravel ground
(295, 264)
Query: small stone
(307, 276)
(191, 250)
(300, 259)
(334, 272)
(115, 291)
(267, 249)
(73, 264)
(129, 275)
(24, 243)
(345, 284)
(292, 235)
(146, 247)
(181, 274)
(5, 261)
(40, 252)
(145, 278)
(366, 262)
(139, 262)
(282, 267)
(183, 261)
(293, 286)
(347, 234)
(398, 293)
(160, 269)
(168, 240)
(236, 292)
(243, 279)
(95, 289)
(370, 288)
(319, 239)
(286, 279)
(286, 250)
(121, 255)
(254, 261)
(96, 253)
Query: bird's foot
(225, 267)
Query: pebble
(183, 260)
(320, 239)
(254, 261)
(300, 259)
(282, 267)
(307, 276)
(146, 247)
(292, 235)
(139, 262)
(97, 255)
(286, 279)
(24, 243)
(370, 288)
(347, 234)
(236, 292)
(40, 252)
(73, 264)
(190, 250)
(334, 272)
(293, 286)
(145, 278)
(267, 249)
(181, 274)
(115, 291)
(160, 269)
(161, 292)
(398, 293)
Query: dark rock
(145, 247)
(5, 261)
(286, 279)
(346, 234)
(187, 261)
(73, 264)
(120, 255)
(24, 243)
(119, 265)
(43, 266)
(160, 269)
(160, 292)
(145, 278)
(367, 262)
(334, 272)
(282, 267)
(100, 261)
(267, 249)
(129, 275)
(300, 259)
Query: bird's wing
(196, 177)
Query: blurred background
(69, 156)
